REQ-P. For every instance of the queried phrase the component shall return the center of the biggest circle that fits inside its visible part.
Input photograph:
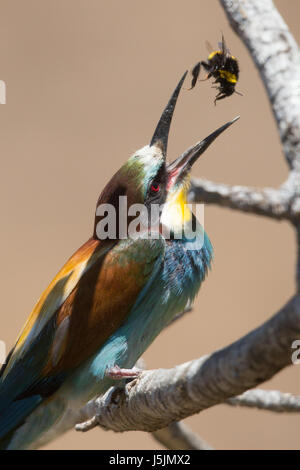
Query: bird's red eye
(155, 187)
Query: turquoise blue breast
(185, 268)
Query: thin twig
(270, 400)
(267, 202)
(177, 436)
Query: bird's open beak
(161, 134)
(182, 165)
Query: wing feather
(92, 304)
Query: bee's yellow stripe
(212, 54)
(230, 77)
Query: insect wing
(209, 47)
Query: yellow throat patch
(176, 212)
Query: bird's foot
(117, 373)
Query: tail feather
(14, 416)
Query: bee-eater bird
(109, 301)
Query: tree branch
(177, 436)
(274, 203)
(271, 400)
(159, 397)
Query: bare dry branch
(271, 400)
(267, 201)
(159, 397)
(177, 436)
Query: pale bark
(159, 397)
(269, 400)
(177, 436)
(274, 203)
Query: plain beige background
(86, 83)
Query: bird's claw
(117, 373)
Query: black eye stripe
(156, 190)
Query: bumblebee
(223, 67)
